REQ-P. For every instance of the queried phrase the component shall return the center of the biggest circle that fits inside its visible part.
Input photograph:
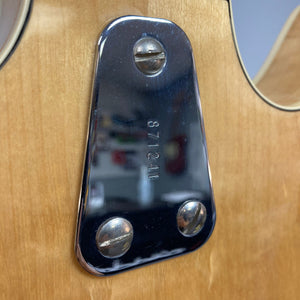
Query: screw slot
(114, 237)
(191, 218)
(149, 55)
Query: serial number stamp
(153, 154)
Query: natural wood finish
(280, 79)
(254, 252)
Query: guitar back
(254, 252)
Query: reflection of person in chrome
(182, 223)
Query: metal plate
(146, 151)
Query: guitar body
(254, 251)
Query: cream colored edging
(16, 30)
(295, 106)
(281, 37)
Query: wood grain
(254, 252)
(280, 78)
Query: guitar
(254, 252)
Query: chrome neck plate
(146, 191)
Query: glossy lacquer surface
(146, 153)
(254, 251)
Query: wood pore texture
(254, 252)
